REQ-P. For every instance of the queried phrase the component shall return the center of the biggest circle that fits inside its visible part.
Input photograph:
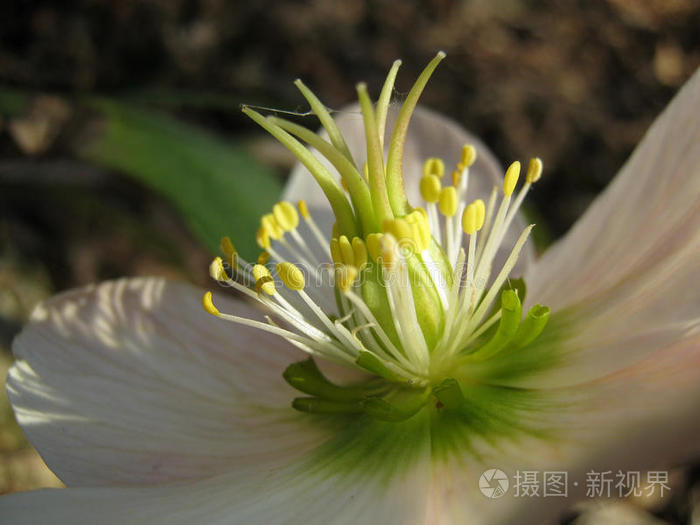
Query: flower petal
(639, 420)
(130, 382)
(359, 480)
(429, 135)
(625, 271)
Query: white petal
(642, 419)
(627, 269)
(647, 214)
(429, 135)
(130, 382)
(320, 491)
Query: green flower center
(409, 294)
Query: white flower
(152, 411)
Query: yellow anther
(303, 209)
(345, 277)
(415, 237)
(430, 187)
(229, 251)
(468, 155)
(227, 247)
(448, 201)
(434, 166)
(269, 223)
(291, 276)
(422, 211)
(266, 284)
(469, 220)
(263, 258)
(398, 228)
(374, 245)
(263, 279)
(511, 178)
(286, 216)
(346, 254)
(360, 251)
(263, 238)
(208, 304)
(217, 271)
(424, 235)
(260, 271)
(336, 256)
(388, 253)
(456, 177)
(534, 170)
(418, 219)
(480, 213)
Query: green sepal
(532, 326)
(306, 377)
(511, 313)
(449, 394)
(314, 405)
(397, 406)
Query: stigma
(405, 291)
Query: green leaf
(217, 186)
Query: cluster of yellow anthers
(402, 296)
(382, 331)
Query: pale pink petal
(314, 492)
(626, 274)
(641, 419)
(649, 213)
(131, 382)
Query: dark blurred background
(98, 100)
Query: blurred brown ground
(574, 82)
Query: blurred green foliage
(216, 185)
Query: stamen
(345, 276)
(434, 166)
(410, 293)
(263, 279)
(229, 251)
(448, 207)
(360, 253)
(468, 156)
(374, 246)
(286, 216)
(430, 187)
(511, 178)
(291, 276)
(208, 304)
(534, 171)
(346, 253)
